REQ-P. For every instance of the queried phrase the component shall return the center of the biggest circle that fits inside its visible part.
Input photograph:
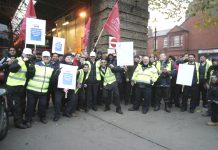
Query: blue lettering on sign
(67, 78)
(36, 34)
(58, 47)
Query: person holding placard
(193, 89)
(110, 85)
(37, 89)
(61, 93)
(143, 78)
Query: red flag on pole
(112, 25)
(86, 35)
(30, 13)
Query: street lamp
(155, 35)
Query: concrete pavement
(111, 131)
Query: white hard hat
(46, 53)
(92, 54)
(27, 51)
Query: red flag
(86, 35)
(30, 13)
(112, 25)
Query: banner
(35, 31)
(112, 25)
(185, 74)
(30, 13)
(67, 77)
(125, 54)
(87, 30)
(58, 45)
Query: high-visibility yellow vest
(18, 78)
(108, 77)
(98, 76)
(145, 76)
(80, 78)
(197, 70)
(40, 81)
(158, 66)
(208, 64)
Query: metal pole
(155, 40)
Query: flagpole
(102, 30)
(98, 37)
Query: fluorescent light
(65, 23)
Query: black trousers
(71, 102)
(142, 93)
(214, 112)
(162, 93)
(31, 101)
(128, 89)
(202, 94)
(92, 95)
(109, 94)
(175, 94)
(16, 101)
(121, 90)
(82, 102)
(190, 91)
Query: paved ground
(111, 131)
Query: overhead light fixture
(54, 29)
(82, 14)
(65, 23)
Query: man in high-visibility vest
(193, 89)
(93, 82)
(37, 89)
(144, 77)
(203, 68)
(82, 76)
(16, 86)
(110, 85)
(163, 82)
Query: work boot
(167, 109)
(144, 111)
(56, 118)
(118, 110)
(67, 115)
(132, 109)
(192, 110)
(94, 108)
(21, 126)
(28, 124)
(212, 123)
(157, 108)
(43, 120)
(107, 108)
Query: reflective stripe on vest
(41, 80)
(145, 76)
(18, 78)
(97, 65)
(109, 77)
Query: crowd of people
(31, 80)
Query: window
(165, 41)
(176, 41)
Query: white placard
(185, 74)
(58, 45)
(67, 77)
(125, 54)
(111, 51)
(35, 31)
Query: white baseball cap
(27, 51)
(92, 54)
(46, 53)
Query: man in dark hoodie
(60, 93)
